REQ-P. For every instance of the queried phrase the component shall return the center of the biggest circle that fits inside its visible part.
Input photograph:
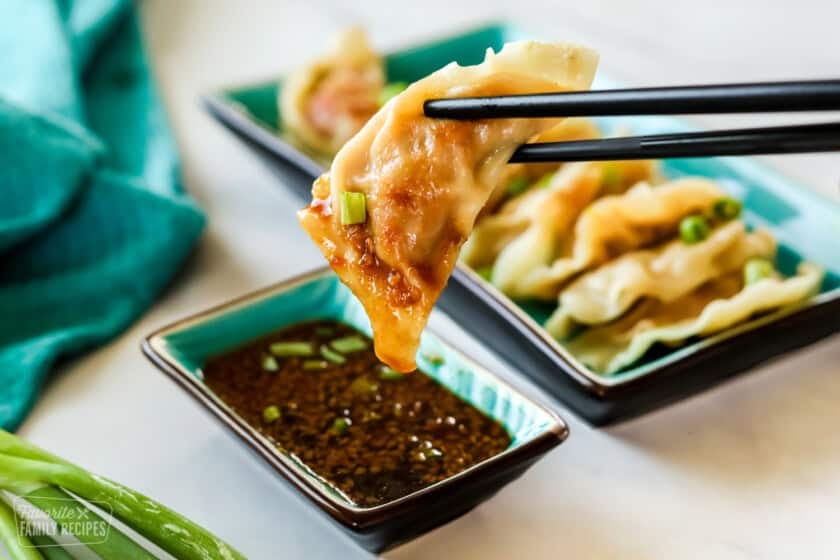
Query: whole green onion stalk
(38, 477)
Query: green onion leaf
(331, 355)
(758, 269)
(340, 425)
(324, 331)
(517, 186)
(27, 468)
(269, 363)
(271, 414)
(315, 365)
(391, 90)
(348, 344)
(726, 208)
(353, 209)
(390, 374)
(694, 229)
(290, 349)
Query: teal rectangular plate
(181, 349)
(806, 226)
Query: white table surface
(750, 469)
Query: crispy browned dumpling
(424, 182)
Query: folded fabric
(93, 219)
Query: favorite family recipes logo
(60, 522)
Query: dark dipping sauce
(371, 432)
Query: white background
(748, 470)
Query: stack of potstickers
(631, 260)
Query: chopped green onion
(331, 355)
(348, 344)
(340, 425)
(315, 365)
(290, 349)
(391, 90)
(324, 331)
(485, 272)
(544, 181)
(390, 374)
(269, 363)
(353, 209)
(757, 269)
(363, 386)
(517, 186)
(271, 414)
(694, 229)
(434, 359)
(726, 208)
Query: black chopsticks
(823, 95)
(742, 142)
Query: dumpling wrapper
(425, 181)
(328, 101)
(533, 267)
(549, 216)
(553, 209)
(666, 273)
(714, 307)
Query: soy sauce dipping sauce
(317, 390)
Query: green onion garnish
(390, 374)
(544, 181)
(726, 208)
(340, 425)
(315, 365)
(290, 349)
(363, 386)
(324, 331)
(391, 90)
(757, 269)
(485, 272)
(347, 344)
(271, 414)
(269, 363)
(331, 355)
(694, 229)
(517, 186)
(353, 209)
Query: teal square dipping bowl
(806, 226)
(181, 349)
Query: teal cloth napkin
(93, 219)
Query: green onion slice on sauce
(291, 349)
(271, 414)
(269, 363)
(349, 344)
(331, 355)
(390, 374)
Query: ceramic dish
(805, 225)
(181, 349)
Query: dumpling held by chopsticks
(403, 194)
